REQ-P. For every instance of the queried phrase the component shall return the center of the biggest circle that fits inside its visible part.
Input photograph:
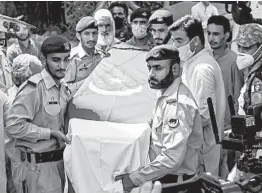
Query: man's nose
(103, 28)
(151, 74)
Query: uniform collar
(81, 52)
(172, 88)
(48, 79)
(22, 45)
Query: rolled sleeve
(21, 114)
(173, 151)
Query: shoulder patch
(173, 123)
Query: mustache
(91, 42)
(152, 79)
(61, 70)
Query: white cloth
(100, 151)
(3, 99)
(204, 12)
(202, 75)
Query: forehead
(179, 34)
(159, 26)
(215, 28)
(158, 62)
(118, 9)
(104, 21)
(58, 55)
(140, 19)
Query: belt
(174, 178)
(50, 156)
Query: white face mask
(247, 60)
(185, 52)
(244, 61)
(139, 31)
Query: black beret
(86, 22)
(161, 16)
(163, 52)
(55, 44)
(140, 13)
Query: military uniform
(38, 108)
(82, 64)
(163, 16)
(147, 42)
(5, 73)
(16, 49)
(248, 35)
(177, 134)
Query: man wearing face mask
(249, 60)
(202, 75)
(176, 125)
(84, 57)
(140, 29)
(23, 45)
(119, 11)
(159, 22)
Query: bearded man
(106, 30)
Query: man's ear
(227, 35)
(78, 36)
(176, 69)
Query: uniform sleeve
(71, 72)
(238, 82)
(205, 87)
(21, 114)
(11, 54)
(174, 146)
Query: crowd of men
(35, 92)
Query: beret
(55, 44)
(140, 13)
(163, 52)
(86, 22)
(161, 16)
(249, 34)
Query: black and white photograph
(131, 96)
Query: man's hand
(128, 185)
(59, 136)
(148, 187)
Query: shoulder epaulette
(34, 80)
(172, 100)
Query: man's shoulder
(13, 47)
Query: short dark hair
(118, 4)
(220, 20)
(191, 25)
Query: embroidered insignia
(173, 123)
(257, 87)
(160, 19)
(144, 14)
(67, 46)
(156, 54)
